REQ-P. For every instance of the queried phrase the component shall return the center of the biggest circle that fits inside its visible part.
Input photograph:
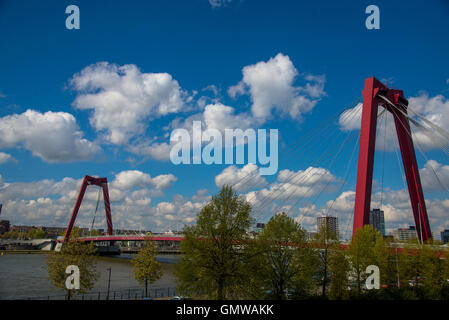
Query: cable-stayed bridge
(328, 146)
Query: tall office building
(377, 220)
(329, 223)
(4, 226)
(445, 236)
(403, 234)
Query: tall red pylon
(371, 100)
(88, 180)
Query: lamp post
(109, 282)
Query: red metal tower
(371, 101)
(88, 180)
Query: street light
(109, 282)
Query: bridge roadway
(130, 238)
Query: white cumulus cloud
(50, 202)
(123, 99)
(6, 157)
(52, 136)
(434, 109)
(271, 86)
(219, 3)
(246, 178)
(434, 176)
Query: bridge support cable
(430, 164)
(293, 177)
(412, 171)
(383, 159)
(293, 149)
(96, 209)
(428, 132)
(443, 133)
(290, 155)
(291, 181)
(311, 188)
(345, 180)
(420, 223)
(328, 167)
(437, 128)
(296, 178)
(418, 144)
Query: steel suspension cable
(410, 134)
(344, 180)
(349, 116)
(383, 160)
(314, 134)
(324, 124)
(96, 209)
(330, 166)
(418, 146)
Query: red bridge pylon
(374, 94)
(88, 180)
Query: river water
(24, 276)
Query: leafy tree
(325, 241)
(75, 233)
(94, 233)
(426, 270)
(36, 234)
(13, 235)
(146, 268)
(213, 249)
(435, 272)
(339, 267)
(367, 247)
(280, 260)
(73, 253)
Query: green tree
(94, 233)
(36, 234)
(435, 271)
(426, 270)
(214, 248)
(146, 268)
(367, 248)
(339, 269)
(12, 235)
(325, 241)
(280, 260)
(75, 233)
(75, 253)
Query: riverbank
(4, 252)
(24, 276)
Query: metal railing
(135, 293)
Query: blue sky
(203, 47)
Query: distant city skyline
(103, 100)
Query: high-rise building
(403, 234)
(4, 226)
(445, 236)
(328, 223)
(377, 220)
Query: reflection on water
(25, 275)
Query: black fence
(122, 294)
